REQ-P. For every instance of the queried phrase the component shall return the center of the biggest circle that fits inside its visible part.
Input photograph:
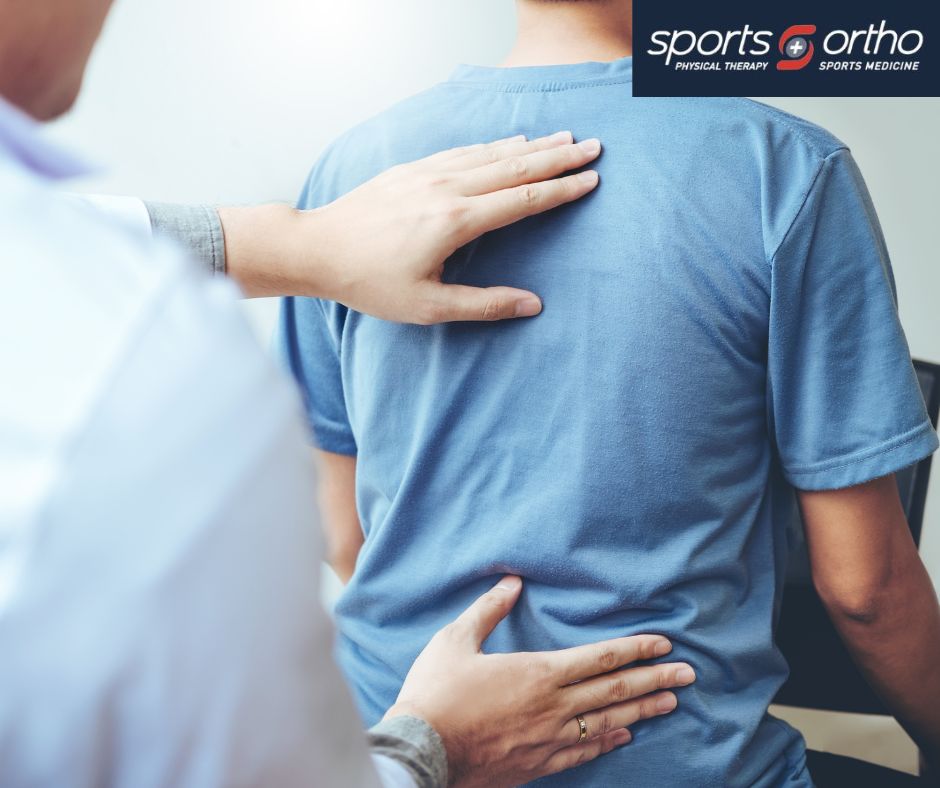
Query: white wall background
(232, 100)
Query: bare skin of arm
(336, 476)
(873, 583)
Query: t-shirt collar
(547, 76)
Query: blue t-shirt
(719, 327)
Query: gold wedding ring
(583, 726)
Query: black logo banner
(866, 48)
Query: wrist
(272, 250)
(400, 709)
(452, 748)
(321, 241)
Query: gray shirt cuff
(415, 745)
(196, 227)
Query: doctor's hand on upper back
(380, 249)
(507, 719)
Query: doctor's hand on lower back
(381, 248)
(506, 719)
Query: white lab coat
(159, 553)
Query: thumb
(480, 619)
(461, 302)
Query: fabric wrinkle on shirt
(719, 327)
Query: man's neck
(559, 33)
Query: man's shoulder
(72, 244)
(79, 289)
(749, 122)
(740, 127)
(405, 131)
(815, 138)
(92, 274)
(764, 156)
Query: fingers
(625, 685)
(621, 715)
(584, 662)
(569, 757)
(489, 154)
(480, 619)
(607, 727)
(517, 170)
(457, 153)
(492, 211)
(461, 302)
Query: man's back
(630, 451)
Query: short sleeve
(308, 343)
(309, 334)
(844, 403)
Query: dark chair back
(822, 674)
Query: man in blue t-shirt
(719, 330)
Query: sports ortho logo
(795, 46)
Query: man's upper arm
(308, 343)
(337, 499)
(844, 404)
(859, 541)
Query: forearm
(257, 246)
(895, 640)
(275, 250)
